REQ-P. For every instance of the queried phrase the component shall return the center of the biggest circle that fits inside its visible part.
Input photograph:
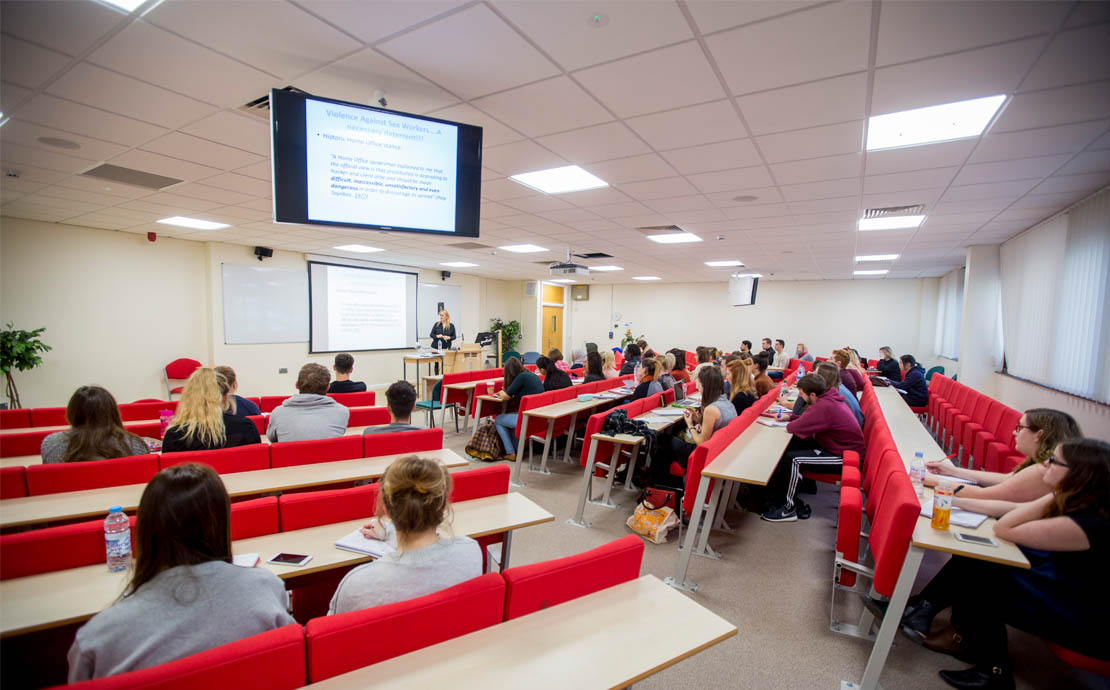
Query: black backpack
(617, 422)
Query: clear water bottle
(917, 473)
(117, 539)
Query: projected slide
(361, 309)
(382, 168)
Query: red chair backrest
(530, 402)
(259, 423)
(288, 453)
(48, 416)
(225, 460)
(94, 474)
(145, 429)
(479, 483)
(530, 588)
(892, 529)
(273, 659)
(691, 360)
(362, 399)
(312, 508)
(15, 419)
(449, 396)
(341, 643)
(182, 368)
(368, 416)
(254, 518)
(145, 411)
(395, 442)
(53, 548)
(268, 403)
(13, 482)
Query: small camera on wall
(445, 274)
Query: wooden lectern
(467, 358)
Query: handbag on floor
(485, 445)
(651, 522)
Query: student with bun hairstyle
(648, 385)
(184, 595)
(413, 503)
(238, 405)
(664, 376)
(96, 430)
(203, 421)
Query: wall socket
(283, 370)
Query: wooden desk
(351, 431)
(418, 360)
(95, 502)
(608, 639)
(21, 461)
(51, 599)
(429, 382)
(469, 387)
(63, 427)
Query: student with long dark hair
(96, 430)
(913, 383)
(554, 378)
(632, 355)
(678, 371)
(593, 368)
(715, 412)
(184, 595)
(518, 383)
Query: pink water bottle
(164, 419)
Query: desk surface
(95, 502)
(607, 639)
(752, 457)
(64, 596)
(909, 434)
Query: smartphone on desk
(293, 559)
(974, 539)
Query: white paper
(360, 544)
(767, 421)
(669, 412)
(245, 560)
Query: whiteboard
(428, 298)
(264, 305)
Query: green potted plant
(510, 333)
(19, 350)
(629, 338)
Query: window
(950, 308)
(1056, 301)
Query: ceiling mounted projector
(568, 267)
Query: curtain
(950, 307)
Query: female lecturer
(442, 333)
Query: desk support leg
(547, 444)
(570, 437)
(516, 480)
(469, 402)
(477, 416)
(606, 500)
(679, 581)
(714, 503)
(506, 546)
(587, 481)
(632, 466)
(892, 620)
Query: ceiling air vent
(260, 107)
(595, 255)
(894, 211)
(469, 245)
(659, 229)
(137, 178)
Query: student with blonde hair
(665, 377)
(888, 364)
(649, 369)
(203, 420)
(851, 378)
(413, 503)
(742, 391)
(609, 364)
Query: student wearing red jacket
(821, 435)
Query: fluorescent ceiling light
(646, 278)
(194, 223)
(569, 178)
(603, 269)
(458, 264)
(125, 5)
(877, 257)
(358, 248)
(870, 273)
(730, 262)
(747, 275)
(674, 238)
(890, 223)
(523, 248)
(563, 280)
(930, 125)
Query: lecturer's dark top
(438, 330)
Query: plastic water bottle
(117, 539)
(917, 473)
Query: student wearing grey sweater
(310, 414)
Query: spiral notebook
(360, 544)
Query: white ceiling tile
(693, 202)
(116, 93)
(17, 131)
(665, 78)
(765, 198)
(26, 64)
(1056, 107)
(600, 142)
(911, 30)
(501, 59)
(821, 190)
(590, 198)
(31, 174)
(238, 130)
(909, 181)
(911, 158)
(991, 190)
(987, 207)
(179, 201)
(262, 170)
(736, 179)
(699, 124)
(974, 74)
(816, 142)
(928, 197)
(1058, 184)
(836, 41)
(93, 122)
(244, 213)
(91, 184)
(10, 94)
(244, 185)
(214, 194)
(190, 148)
(621, 210)
(68, 26)
(499, 190)
(356, 78)
(534, 204)
(1073, 56)
(817, 169)
(569, 216)
(370, 22)
(714, 15)
(1021, 169)
(545, 107)
(710, 157)
(16, 155)
(847, 203)
(1090, 161)
(494, 133)
(490, 209)
(693, 219)
(283, 40)
(564, 30)
(658, 189)
(946, 219)
(809, 105)
(99, 199)
(1037, 142)
(632, 169)
(520, 157)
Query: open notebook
(963, 518)
(360, 544)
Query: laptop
(679, 391)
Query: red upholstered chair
(268, 403)
(288, 453)
(260, 422)
(53, 548)
(225, 460)
(480, 483)
(95, 474)
(974, 428)
(849, 521)
(179, 370)
(1002, 434)
(48, 416)
(254, 518)
(273, 660)
(342, 643)
(145, 411)
(1087, 663)
(530, 588)
(363, 399)
(396, 442)
(15, 419)
(368, 416)
(13, 482)
(145, 429)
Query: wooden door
(552, 328)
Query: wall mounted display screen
(352, 308)
(338, 163)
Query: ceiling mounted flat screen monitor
(337, 163)
(741, 290)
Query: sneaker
(511, 457)
(780, 514)
(802, 510)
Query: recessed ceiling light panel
(569, 178)
(890, 223)
(721, 264)
(674, 238)
(125, 5)
(458, 264)
(523, 248)
(358, 248)
(563, 280)
(646, 278)
(195, 223)
(604, 269)
(877, 257)
(933, 124)
(870, 273)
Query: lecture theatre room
(548, 344)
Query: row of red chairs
(977, 428)
(457, 397)
(539, 431)
(329, 646)
(36, 480)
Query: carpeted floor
(774, 583)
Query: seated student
(240, 406)
(642, 344)
(203, 421)
(518, 383)
(831, 373)
(820, 437)
(763, 382)
(609, 364)
(400, 397)
(96, 431)
(726, 361)
(705, 359)
(554, 378)
(782, 357)
(848, 376)
(344, 365)
(1036, 436)
(678, 370)
(184, 596)
(715, 412)
(557, 358)
(648, 385)
(745, 347)
(665, 377)
(768, 350)
(631, 359)
(593, 368)
(741, 387)
(578, 358)
(913, 383)
(888, 365)
(802, 353)
(1061, 597)
(310, 414)
(413, 503)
